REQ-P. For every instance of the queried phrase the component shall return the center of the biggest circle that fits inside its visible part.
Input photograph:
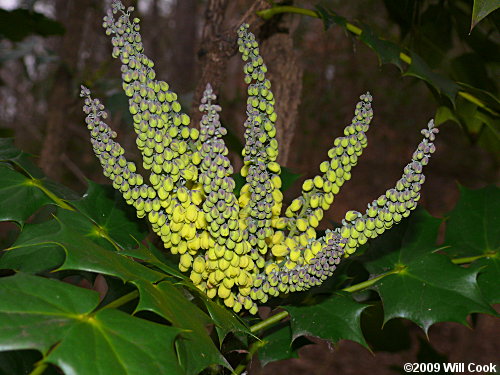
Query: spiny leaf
(105, 207)
(81, 253)
(336, 318)
(42, 314)
(443, 85)
(481, 9)
(196, 350)
(277, 345)
(25, 257)
(472, 230)
(19, 196)
(425, 287)
(472, 227)
(387, 52)
(225, 320)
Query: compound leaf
(277, 344)
(472, 230)
(472, 227)
(335, 318)
(19, 196)
(195, 348)
(56, 319)
(422, 286)
(106, 208)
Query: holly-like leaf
(393, 336)
(472, 227)
(387, 52)
(443, 85)
(106, 208)
(10, 153)
(472, 230)
(56, 319)
(155, 257)
(25, 257)
(335, 318)
(422, 286)
(19, 195)
(81, 253)
(225, 320)
(489, 275)
(195, 348)
(277, 345)
(481, 9)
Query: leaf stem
(268, 13)
(122, 300)
(40, 367)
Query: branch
(268, 13)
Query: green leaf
(195, 348)
(19, 196)
(408, 241)
(277, 345)
(335, 318)
(472, 230)
(56, 318)
(489, 274)
(288, 178)
(392, 336)
(155, 257)
(424, 287)
(329, 17)
(19, 23)
(25, 257)
(84, 254)
(387, 52)
(114, 218)
(444, 114)
(481, 9)
(443, 85)
(10, 153)
(472, 226)
(225, 320)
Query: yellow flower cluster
(239, 249)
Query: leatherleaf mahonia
(240, 249)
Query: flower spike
(238, 250)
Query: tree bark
(285, 72)
(218, 46)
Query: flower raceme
(240, 249)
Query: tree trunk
(63, 95)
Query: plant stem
(269, 321)
(271, 12)
(268, 13)
(254, 347)
(370, 282)
(122, 300)
(40, 367)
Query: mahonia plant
(241, 249)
